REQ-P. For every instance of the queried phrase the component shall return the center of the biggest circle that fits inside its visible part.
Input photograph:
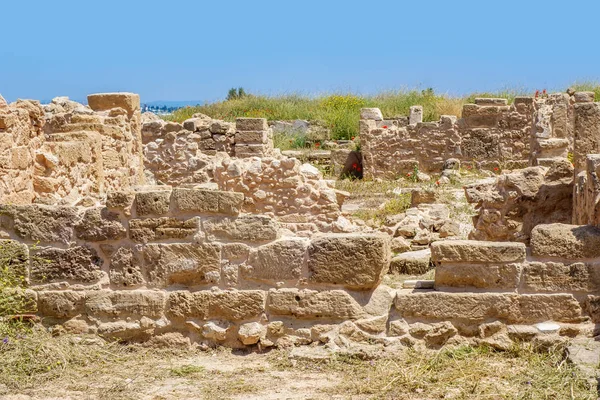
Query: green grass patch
(338, 112)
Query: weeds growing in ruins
(338, 112)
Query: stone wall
(490, 135)
(66, 153)
(283, 188)
(187, 261)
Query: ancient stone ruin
(135, 228)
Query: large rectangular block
(182, 263)
(560, 277)
(231, 305)
(236, 305)
(489, 276)
(251, 124)
(149, 229)
(100, 224)
(277, 261)
(356, 261)
(512, 308)
(122, 303)
(260, 137)
(152, 203)
(208, 201)
(473, 251)
(569, 242)
(41, 223)
(79, 264)
(63, 304)
(309, 304)
(250, 150)
(247, 228)
(106, 101)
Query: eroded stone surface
(182, 263)
(355, 261)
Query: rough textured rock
(182, 263)
(151, 229)
(39, 223)
(356, 261)
(78, 264)
(511, 205)
(251, 333)
(208, 201)
(108, 303)
(278, 261)
(126, 268)
(152, 203)
(512, 308)
(476, 251)
(561, 240)
(247, 228)
(411, 262)
(490, 276)
(331, 304)
(63, 304)
(100, 224)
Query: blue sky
(197, 50)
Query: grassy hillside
(340, 112)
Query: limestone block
(184, 304)
(587, 139)
(411, 262)
(486, 101)
(196, 124)
(469, 251)
(123, 303)
(561, 277)
(260, 137)
(371, 113)
(584, 97)
(126, 268)
(251, 124)
(251, 333)
(100, 224)
(149, 229)
(593, 308)
(510, 307)
(356, 261)
(152, 203)
(278, 261)
(41, 223)
(63, 304)
(415, 115)
(308, 304)
(14, 269)
(120, 201)
(236, 305)
(247, 228)
(76, 264)
(491, 276)
(566, 241)
(208, 201)
(106, 101)
(250, 150)
(182, 263)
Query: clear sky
(197, 50)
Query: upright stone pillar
(587, 132)
(416, 115)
